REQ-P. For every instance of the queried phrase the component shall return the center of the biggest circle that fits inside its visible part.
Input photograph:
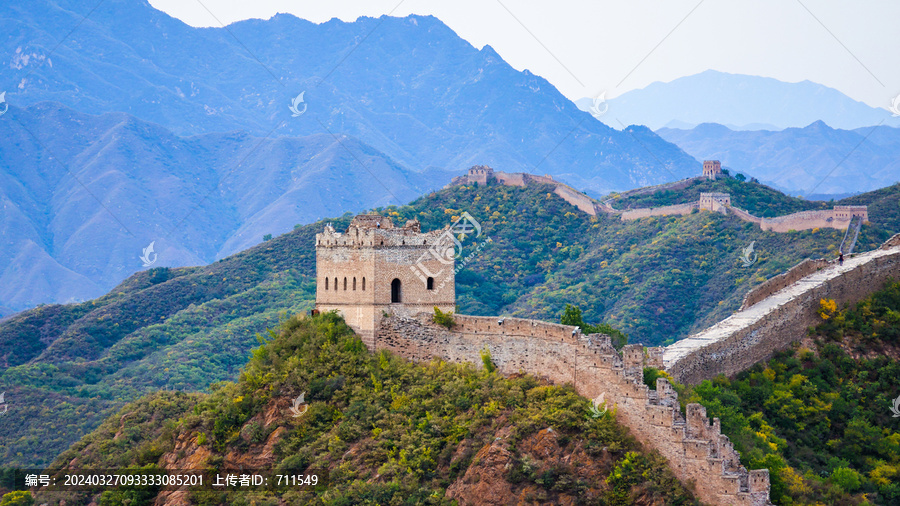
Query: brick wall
(804, 220)
(677, 209)
(783, 280)
(694, 446)
(355, 271)
(567, 193)
(773, 323)
(744, 215)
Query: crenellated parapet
(696, 449)
(375, 231)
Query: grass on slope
(389, 431)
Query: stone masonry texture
(777, 314)
(696, 449)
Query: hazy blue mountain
(198, 198)
(816, 158)
(409, 87)
(741, 102)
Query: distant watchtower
(712, 169)
(480, 174)
(375, 267)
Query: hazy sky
(585, 47)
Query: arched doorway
(396, 295)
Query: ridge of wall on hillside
(893, 242)
(803, 220)
(838, 217)
(783, 280)
(696, 449)
(644, 212)
(564, 191)
(745, 215)
(754, 334)
(674, 185)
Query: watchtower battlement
(376, 231)
(712, 169)
(375, 268)
(848, 212)
(480, 174)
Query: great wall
(697, 451)
(392, 315)
(839, 217)
(778, 313)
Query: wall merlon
(697, 449)
(759, 481)
(666, 393)
(655, 357)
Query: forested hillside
(821, 417)
(66, 367)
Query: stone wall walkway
(755, 333)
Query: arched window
(396, 295)
(345, 284)
(354, 284)
(326, 283)
(364, 284)
(430, 284)
(335, 284)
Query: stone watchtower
(375, 268)
(480, 174)
(718, 202)
(712, 169)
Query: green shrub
(444, 319)
(848, 479)
(488, 362)
(17, 498)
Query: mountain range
(135, 128)
(741, 102)
(409, 87)
(80, 208)
(815, 159)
